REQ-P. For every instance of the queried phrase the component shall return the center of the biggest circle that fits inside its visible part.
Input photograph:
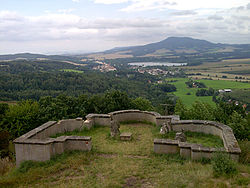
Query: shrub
(245, 152)
(26, 165)
(223, 165)
(204, 161)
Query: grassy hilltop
(114, 163)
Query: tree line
(29, 114)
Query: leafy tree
(205, 92)
(240, 126)
(202, 111)
(181, 110)
(21, 118)
(167, 87)
(116, 100)
(142, 104)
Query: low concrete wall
(37, 146)
(97, 119)
(128, 115)
(52, 128)
(186, 150)
(134, 115)
(196, 151)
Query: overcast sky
(71, 26)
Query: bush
(223, 165)
(26, 165)
(204, 161)
(245, 152)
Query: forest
(33, 80)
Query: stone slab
(126, 136)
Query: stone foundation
(196, 151)
(37, 145)
(128, 115)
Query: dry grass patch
(5, 165)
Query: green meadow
(187, 95)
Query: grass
(71, 70)
(5, 165)
(207, 140)
(141, 134)
(188, 100)
(115, 163)
(182, 91)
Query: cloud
(143, 5)
(66, 31)
(76, 1)
(184, 13)
(215, 17)
(139, 5)
(65, 11)
(248, 6)
(110, 1)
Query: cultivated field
(231, 68)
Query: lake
(147, 64)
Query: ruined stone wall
(52, 128)
(134, 115)
(37, 146)
(197, 151)
(128, 115)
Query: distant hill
(178, 45)
(174, 49)
(30, 56)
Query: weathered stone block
(166, 146)
(126, 136)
